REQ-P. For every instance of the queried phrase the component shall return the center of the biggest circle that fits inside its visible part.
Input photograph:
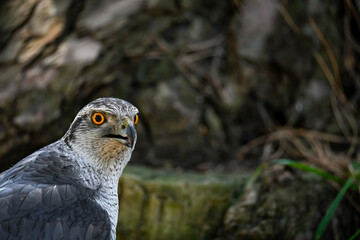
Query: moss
(155, 204)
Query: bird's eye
(98, 118)
(136, 119)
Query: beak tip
(131, 133)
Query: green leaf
(356, 166)
(256, 174)
(355, 235)
(331, 210)
(315, 170)
(251, 180)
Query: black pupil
(98, 118)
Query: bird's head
(104, 130)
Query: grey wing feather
(38, 200)
(50, 218)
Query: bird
(68, 189)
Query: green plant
(355, 235)
(346, 185)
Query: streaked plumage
(68, 189)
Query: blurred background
(215, 81)
(221, 85)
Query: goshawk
(68, 189)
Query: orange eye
(98, 118)
(136, 119)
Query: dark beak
(131, 136)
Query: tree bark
(207, 76)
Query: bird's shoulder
(53, 164)
(42, 181)
(41, 195)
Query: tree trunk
(207, 76)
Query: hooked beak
(131, 136)
(127, 135)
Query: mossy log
(159, 205)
